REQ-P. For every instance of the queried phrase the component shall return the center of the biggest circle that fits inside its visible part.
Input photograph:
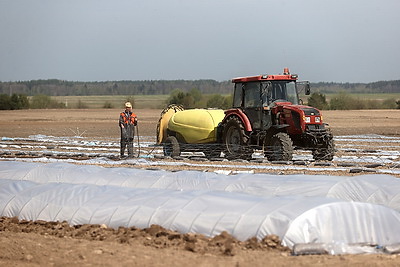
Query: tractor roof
(286, 76)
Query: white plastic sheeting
(376, 189)
(205, 203)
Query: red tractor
(267, 114)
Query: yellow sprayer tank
(197, 126)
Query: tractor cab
(268, 114)
(258, 96)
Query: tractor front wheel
(280, 148)
(325, 153)
(171, 147)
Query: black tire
(325, 153)
(235, 140)
(171, 147)
(280, 148)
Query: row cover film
(298, 208)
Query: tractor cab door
(267, 100)
(252, 104)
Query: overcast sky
(100, 40)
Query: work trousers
(127, 135)
(127, 143)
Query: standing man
(127, 123)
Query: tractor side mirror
(307, 89)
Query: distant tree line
(55, 87)
(15, 101)
(374, 87)
(67, 88)
(344, 101)
(195, 99)
(21, 101)
(191, 94)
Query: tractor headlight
(317, 119)
(307, 119)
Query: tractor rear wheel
(280, 148)
(171, 147)
(235, 140)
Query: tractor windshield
(292, 93)
(279, 91)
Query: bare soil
(24, 243)
(353, 122)
(104, 122)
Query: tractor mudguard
(243, 117)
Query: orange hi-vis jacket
(127, 118)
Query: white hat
(128, 105)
